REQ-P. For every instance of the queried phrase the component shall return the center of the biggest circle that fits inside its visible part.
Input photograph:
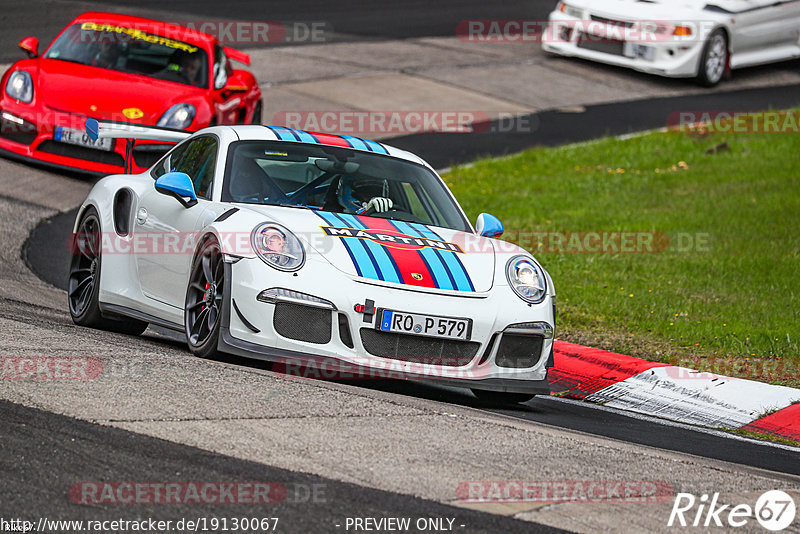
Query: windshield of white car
(131, 50)
(338, 180)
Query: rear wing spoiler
(131, 132)
(236, 55)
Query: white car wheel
(714, 60)
(84, 280)
(204, 299)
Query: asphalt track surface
(42, 454)
(572, 125)
(345, 20)
(46, 453)
(551, 128)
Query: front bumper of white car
(676, 57)
(320, 327)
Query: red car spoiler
(236, 55)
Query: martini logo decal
(393, 239)
(398, 251)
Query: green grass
(731, 306)
(765, 437)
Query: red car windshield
(127, 49)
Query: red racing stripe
(407, 261)
(328, 139)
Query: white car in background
(285, 245)
(677, 38)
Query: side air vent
(123, 204)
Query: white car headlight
(526, 279)
(278, 247)
(570, 11)
(20, 86)
(179, 116)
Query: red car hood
(104, 94)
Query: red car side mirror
(30, 45)
(235, 83)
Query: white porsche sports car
(286, 245)
(688, 38)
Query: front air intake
(302, 323)
(418, 349)
(519, 351)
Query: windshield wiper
(290, 205)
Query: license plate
(77, 137)
(636, 50)
(424, 325)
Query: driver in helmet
(360, 195)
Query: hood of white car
(666, 10)
(390, 251)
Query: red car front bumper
(30, 133)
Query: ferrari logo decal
(133, 113)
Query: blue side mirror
(178, 185)
(488, 225)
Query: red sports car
(116, 67)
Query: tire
(714, 60)
(256, 114)
(202, 312)
(83, 285)
(501, 397)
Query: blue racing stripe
(305, 137)
(364, 264)
(441, 276)
(388, 268)
(284, 134)
(355, 142)
(375, 147)
(364, 256)
(451, 260)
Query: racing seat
(248, 182)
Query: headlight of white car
(278, 247)
(526, 279)
(20, 86)
(179, 116)
(570, 11)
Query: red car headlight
(179, 116)
(20, 86)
